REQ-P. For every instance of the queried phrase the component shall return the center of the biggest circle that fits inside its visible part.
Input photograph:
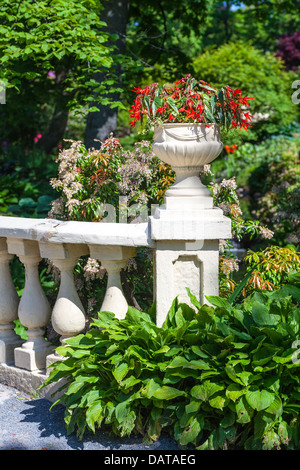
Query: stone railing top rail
(93, 233)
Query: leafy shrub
(288, 48)
(24, 182)
(278, 200)
(270, 268)
(214, 378)
(267, 177)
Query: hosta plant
(189, 100)
(222, 377)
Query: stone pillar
(9, 302)
(34, 309)
(113, 258)
(68, 316)
(186, 230)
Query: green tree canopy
(50, 51)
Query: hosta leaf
(275, 407)
(168, 393)
(121, 411)
(205, 390)
(193, 299)
(128, 424)
(150, 388)
(219, 302)
(136, 316)
(120, 372)
(261, 315)
(260, 399)
(94, 414)
(162, 350)
(193, 406)
(243, 410)
(234, 392)
(218, 402)
(270, 440)
(190, 433)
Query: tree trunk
(101, 123)
(55, 131)
(57, 126)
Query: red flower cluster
(189, 100)
(231, 149)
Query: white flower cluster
(93, 270)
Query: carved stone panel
(188, 272)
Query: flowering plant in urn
(187, 117)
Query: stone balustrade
(185, 255)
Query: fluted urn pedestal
(187, 227)
(187, 148)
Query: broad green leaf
(261, 315)
(94, 414)
(136, 316)
(243, 410)
(150, 388)
(259, 399)
(193, 406)
(193, 299)
(121, 411)
(191, 433)
(205, 390)
(120, 372)
(275, 407)
(219, 302)
(168, 393)
(218, 402)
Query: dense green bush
(278, 198)
(267, 177)
(242, 66)
(215, 378)
(24, 182)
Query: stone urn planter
(187, 148)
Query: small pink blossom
(51, 75)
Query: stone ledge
(28, 382)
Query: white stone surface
(68, 316)
(178, 266)
(113, 259)
(9, 302)
(34, 309)
(54, 231)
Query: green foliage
(35, 41)
(267, 175)
(215, 378)
(241, 65)
(271, 267)
(278, 201)
(24, 183)
(49, 54)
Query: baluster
(9, 302)
(113, 259)
(34, 309)
(68, 316)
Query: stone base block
(27, 382)
(7, 350)
(32, 359)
